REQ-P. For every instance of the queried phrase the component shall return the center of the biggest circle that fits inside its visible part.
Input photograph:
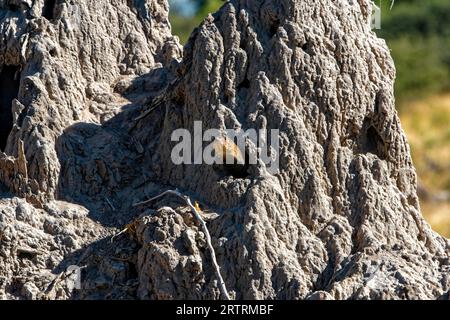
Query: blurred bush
(418, 33)
(186, 15)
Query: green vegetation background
(418, 33)
(183, 26)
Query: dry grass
(438, 215)
(427, 126)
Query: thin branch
(392, 4)
(160, 99)
(147, 112)
(197, 215)
(143, 203)
(120, 233)
(110, 204)
(60, 277)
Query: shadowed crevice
(49, 9)
(9, 90)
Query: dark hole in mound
(9, 89)
(306, 46)
(235, 170)
(24, 255)
(374, 143)
(243, 44)
(48, 9)
(53, 52)
(13, 7)
(244, 84)
(377, 102)
(239, 171)
(274, 27)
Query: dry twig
(110, 204)
(129, 227)
(197, 215)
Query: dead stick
(146, 113)
(120, 233)
(222, 285)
